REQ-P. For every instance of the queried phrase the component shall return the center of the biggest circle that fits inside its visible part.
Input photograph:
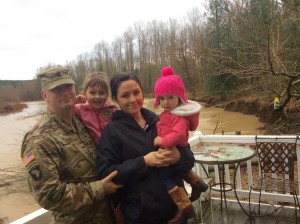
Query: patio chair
(276, 158)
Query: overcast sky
(34, 33)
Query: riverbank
(276, 122)
(15, 197)
(6, 108)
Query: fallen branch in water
(216, 126)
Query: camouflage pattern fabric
(61, 168)
(54, 77)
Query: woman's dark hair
(118, 79)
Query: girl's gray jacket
(122, 146)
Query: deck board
(237, 215)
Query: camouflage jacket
(60, 163)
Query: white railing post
(238, 177)
(298, 165)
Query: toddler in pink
(178, 118)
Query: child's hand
(158, 141)
(80, 98)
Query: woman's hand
(152, 159)
(110, 187)
(162, 157)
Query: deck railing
(195, 142)
(250, 167)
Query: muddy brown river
(212, 119)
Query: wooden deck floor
(237, 216)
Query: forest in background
(235, 49)
(16, 91)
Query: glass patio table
(222, 155)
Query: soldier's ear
(44, 95)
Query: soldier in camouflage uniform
(59, 158)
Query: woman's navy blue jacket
(122, 146)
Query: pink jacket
(174, 129)
(94, 120)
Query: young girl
(178, 118)
(95, 112)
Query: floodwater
(217, 120)
(212, 121)
(15, 197)
(14, 126)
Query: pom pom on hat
(169, 84)
(167, 71)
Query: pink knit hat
(169, 84)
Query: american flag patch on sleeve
(28, 158)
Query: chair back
(277, 155)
